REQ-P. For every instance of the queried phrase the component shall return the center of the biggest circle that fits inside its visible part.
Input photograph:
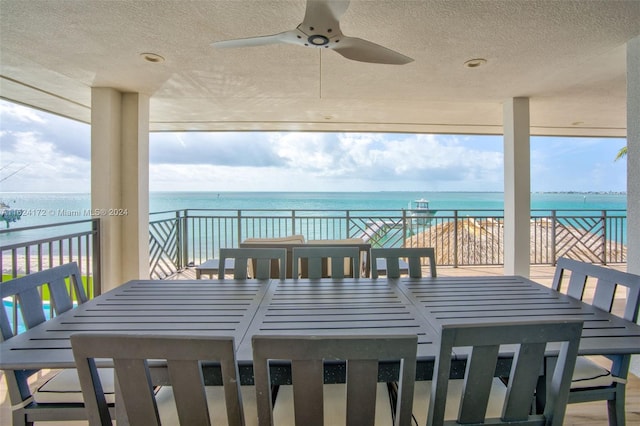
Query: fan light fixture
(152, 57)
(475, 63)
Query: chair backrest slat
(361, 399)
(318, 257)
(135, 392)
(522, 379)
(307, 355)
(31, 307)
(309, 376)
(475, 397)
(183, 355)
(604, 294)
(191, 399)
(262, 261)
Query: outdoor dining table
(245, 308)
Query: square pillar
(633, 155)
(120, 183)
(517, 187)
(633, 167)
(135, 186)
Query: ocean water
(41, 208)
(46, 208)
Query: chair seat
(335, 405)
(64, 387)
(588, 374)
(215, 401)
(422, 394)
(381, 265)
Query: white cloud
(56, 152)
(40, 167)
(21, 113)
(414, 160)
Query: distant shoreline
(331, 192)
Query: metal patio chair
(60, 398)
(531, 340)
(132, 355)
(591, 382)
(308, 355)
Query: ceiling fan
(321, 29)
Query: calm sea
(45, 208)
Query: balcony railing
(36, 248)
(189, 237)
(181, 238)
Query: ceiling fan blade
(284, 37)
(323, 14)
(361, 50)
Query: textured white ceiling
(568, 57)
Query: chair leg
(616, 408)
(19, 418)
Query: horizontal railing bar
(46, 240)
(49, 225)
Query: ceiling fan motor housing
(314, 38)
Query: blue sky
(52, 154)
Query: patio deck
(594, 413)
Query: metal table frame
(350, 306)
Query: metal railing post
(239, 227)
(95, 258)
(404, 228)
(604, 237)
(553, 237)
(347, 222)
(179, 241)
(182, 239)
(293, 222)
(455, 238)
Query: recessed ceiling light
(152, 57)
(475, 63)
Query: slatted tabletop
(343, 307)
(351, 306)
(211, 307)
(456, 300)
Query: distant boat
(420, 212)
(8, 214)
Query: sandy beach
(22, 264)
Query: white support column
(106, 113)
(633, 155)
(517, 187)
(633, 167)
(120, 183)
(135, 187)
